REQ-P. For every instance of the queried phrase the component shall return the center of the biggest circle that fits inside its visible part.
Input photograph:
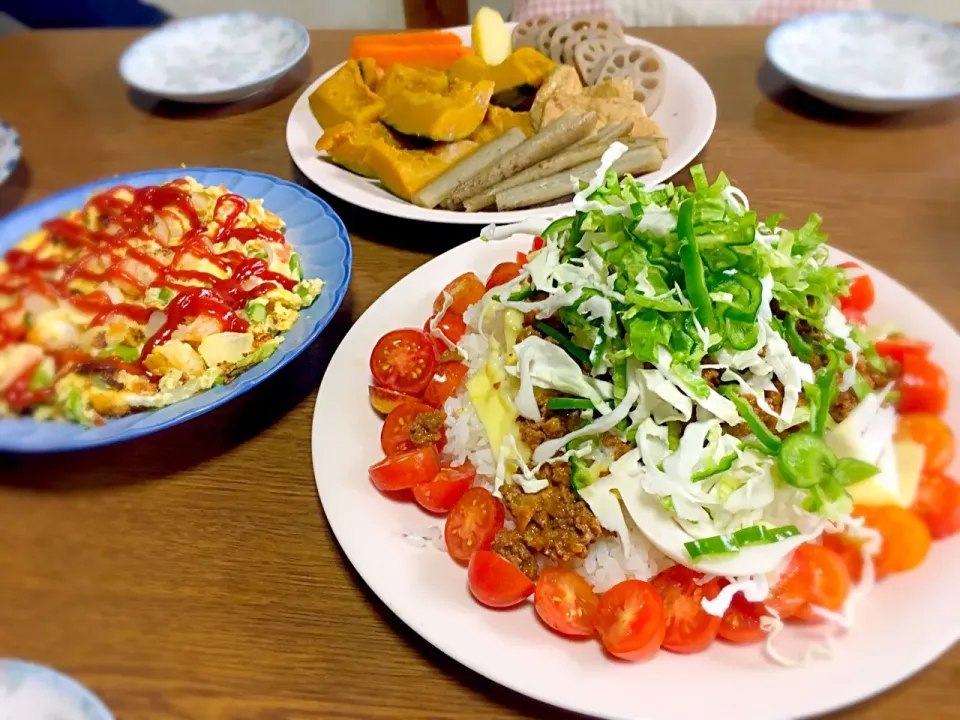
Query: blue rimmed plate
(28, 690)
(313, 229)
(869, 60)
(9, 150)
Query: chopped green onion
(567, 403)
(304, 292)
(295, 267)
(800, 347)
(736, 541)
(126, 353)
(563, 341)
(166, 294)
(666, 503)
(692, 264)
(805, 460)
(73, 407)
(257, 312)
(750, 417)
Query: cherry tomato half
(935, 436)
(495, 581)
(938, 504)
(690, 628)
(860, 295)
(443, 492)
(473, 523)
(566, 602)
(401, 472)
(395, 433)
(403, 361)
(502, 274)
(445, 382)
(452, 326)
(792, 589)
(631, 620)
(906, 538)
(538, 244)
(854, 317)
(831, 581)
(465, 290)
(896, 348)
(923, 385)
(741, 621)
(850, 551)
(386, 401)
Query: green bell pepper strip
(800, 347)
(736, 541)
(805, 460)
(827, 386)
(566, 403)
(757, 447)
(722, 465)
(741, 335)
(563, 341)
(743, 235)
(674, 432)
(564, 224)
(750, 417)
(690, 259)
(521, 295)
(126, 353)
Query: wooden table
(192, 574)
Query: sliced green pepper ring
(558, 226)
(741, 335)
(720, 258)
(805, 460)
(747, 292)
(800, 347)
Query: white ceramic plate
(214, 58)
(869, 61)
(687, 115)
(906, 623)
(9, 150)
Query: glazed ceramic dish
(9, 150)
(687, 114)
(28, 690)
(869, 61)
(214, 58)
(312, 230)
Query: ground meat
(774, 400)
(614, 444)
(877, 379)
(711, 376)
(844, 405)
(427, 428)
(554, 522)
(555, 423)
(528, 332)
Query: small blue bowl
(214, 58)
(9, 150)
(29, 691)
(869, 60)
(312, 228)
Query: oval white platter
(687, 114)
(903, 625)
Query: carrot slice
(438, 57)
(906, 538)
(430, 37)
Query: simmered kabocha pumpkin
(443, 117)
(345, 97)
(403, 172)
(347, 145)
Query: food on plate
(553, 38)
(516, 79)
(348, 144)
(361, 44)
(430, 49)
(445, 117)
(525, 33)
(498, 121)
(345, 97)
(403, 78)
(143, 298)
(642, 67)
(590, 55)
(490, 37)
(672, 430)
(549, 141)
(446, 184)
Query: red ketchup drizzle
(107, 256)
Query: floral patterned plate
(869, 61)
(214, 58)
(35, 692)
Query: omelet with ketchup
(142, 298)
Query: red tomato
(404, 361)
(935, 436)
(938, 504)
(860, 295)
(538, 244)
(405, 471)
(850, 551)
(690, 628)
(792, 589)
(443, 492)
(452, 326)
(897, 347)
(831, 581)
(854, 317)
(741, 621)
(472, 523)
(395, 433)
(495, 581)
(465, 291)
(386, 401)
(631, 620)
(923, 385)
(906, 538)
(445, 382)
(566, 602)
(502, 274)
(522, 258)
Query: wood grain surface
(192, 574)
